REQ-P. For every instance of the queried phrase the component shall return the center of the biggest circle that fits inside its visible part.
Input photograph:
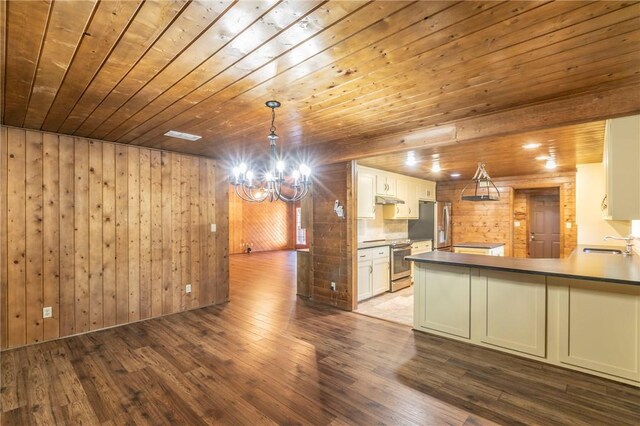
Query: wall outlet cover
(213, 227)
(188, 288)
(47, 312)
(333, 286)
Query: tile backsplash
(378, 228)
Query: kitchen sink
(601, 250)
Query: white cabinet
(622, 171)
(406, 191)
(600, 327)
(366, 195)
(374, 273)
(372, 182)
(381, 274)
(496, 251)
(426, 191)
(419, 247)
(442, 298)
(513, 311)
(364, 280)
(385, 184)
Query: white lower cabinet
(443, 294)
(374, 272)
(590, 326)
(600, 327)
(513, 311)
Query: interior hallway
(267, 357)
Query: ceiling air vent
(181, 135)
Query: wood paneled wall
(334, 239)
(262, 226)
(105, 234)
(493, 221)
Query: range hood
(483, 185)
(380, 199)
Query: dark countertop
(479, 245)
(589, 266)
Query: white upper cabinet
(622, 168)
(372, 182)
(366, 195)
(426, 191)
(385, 184)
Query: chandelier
(274, 180)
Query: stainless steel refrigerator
(442, 237)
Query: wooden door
(544, 226)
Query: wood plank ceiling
(503, 156)
(346, 71)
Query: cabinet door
(600, 327)
(380, 276)
(443, 299)
(385, 184)
(412, 210)
(513, 311)
(402, 190)
(622, 156)
(426, 191)
(366, 196)
(364, 280)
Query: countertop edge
(418, 259)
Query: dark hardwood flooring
(267, 358)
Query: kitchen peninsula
(582, 312)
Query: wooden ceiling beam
(556, 113)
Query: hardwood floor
(268, 358)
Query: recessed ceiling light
(531, 145)
(411, 159)
(436, 167)
(542, 157)
(455, 175)
(550, 164)
(182, 135)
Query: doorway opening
(537, 223)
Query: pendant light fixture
(483, 184)
(248, 187)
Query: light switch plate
(187, 288)
(47, 312)
(213, 227)
(516, 223)
(568, 225)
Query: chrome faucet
(628, 250)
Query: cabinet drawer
(365, 254)
(380, 252)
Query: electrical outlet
(188, 288)
(333, 286)
(213, 227)
(47, 312)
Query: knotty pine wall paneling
(334, 238)
(105, 234)
(493, 221)
(264, 226)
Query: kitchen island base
(588, 326)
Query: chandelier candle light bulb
(295, 187)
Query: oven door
(400, 267)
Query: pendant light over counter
(483, 185)
(270, 186)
